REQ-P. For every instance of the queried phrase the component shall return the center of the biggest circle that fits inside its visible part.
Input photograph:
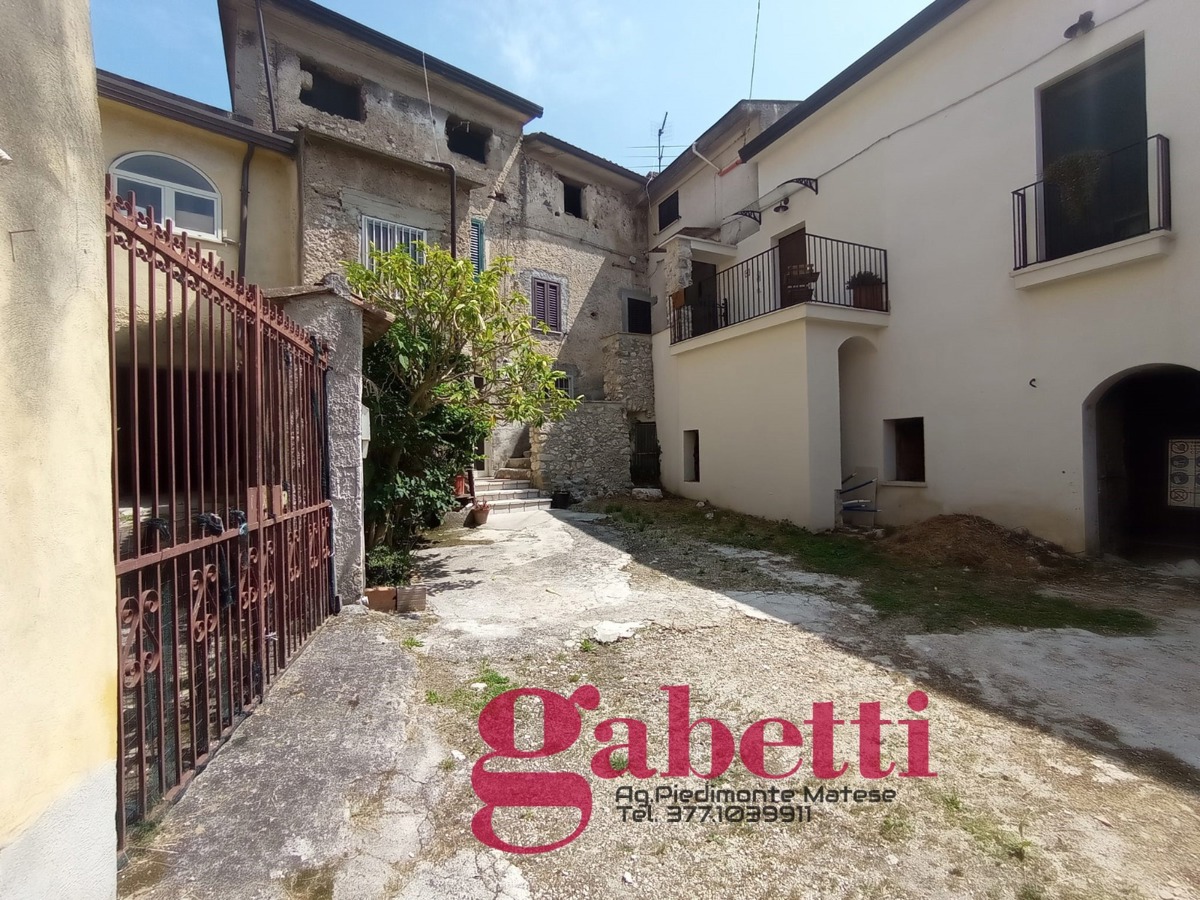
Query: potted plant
(387, 568)
(479, 514)
(391, 581)
(866, 290)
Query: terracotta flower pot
(381, 599)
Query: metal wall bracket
(811, 183)
(752, 214)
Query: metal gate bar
(222, 518)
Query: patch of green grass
(411, 641)
(620, 761)
(573, 678)
(895, 826)
(469, 700)
(951, 802)
(611, 508)
(937, 599)
(447, 764)
(587, 645)
(994, 839)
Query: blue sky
(605, 70)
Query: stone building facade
(378, 124)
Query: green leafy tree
(461, 356)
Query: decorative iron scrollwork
(141, 651)
(204, 603)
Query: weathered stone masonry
(586, 454)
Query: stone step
(512, 506)
(483, 485)
(512, 473)
(506, 493)
(528, 454)
(520, 462)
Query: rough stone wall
(588, 257)
(339, 323)
(586, 454)
(341, 184)
(629, 374)
(59, 673)
(398, 117)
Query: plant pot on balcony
(867, 291)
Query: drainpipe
(244, 229)
(449, 167)
(262, 37)
(706, 159)
(729, 168)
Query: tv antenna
(662, 129)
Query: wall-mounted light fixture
(783, 205)
(1086, 23)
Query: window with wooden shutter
(547, 305)
(478, 253)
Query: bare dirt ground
(1067, 756)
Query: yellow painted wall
(273, 247)
(58, 653)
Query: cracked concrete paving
(329, 783)
(340, 787)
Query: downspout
(245, 226)
(449, 167)
(262, 37)
(706, 159)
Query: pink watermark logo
(562, 726)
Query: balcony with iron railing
(1091, 199)
(829, 273)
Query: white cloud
(551, 46)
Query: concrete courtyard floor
(1067, 761)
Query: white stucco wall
(58, 641)
(921, 159)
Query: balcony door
(1095, 155)
(796, 276)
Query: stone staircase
(511, 490)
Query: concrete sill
(812, 312)
(904, 484)
(1110, 256)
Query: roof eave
(180, 109)
(320, 15)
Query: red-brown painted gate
(222, 520)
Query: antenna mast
(661, 131)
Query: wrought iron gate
(222, 521)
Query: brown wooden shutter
(539, 300)
(553, 307)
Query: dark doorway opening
(701, 298)
(644, 464)
(1147, 445)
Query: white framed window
(385, 236)
(172, 189)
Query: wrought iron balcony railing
(1090, 199)
(831, 272)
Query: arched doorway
(1142, 463)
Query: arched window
(174, 189)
